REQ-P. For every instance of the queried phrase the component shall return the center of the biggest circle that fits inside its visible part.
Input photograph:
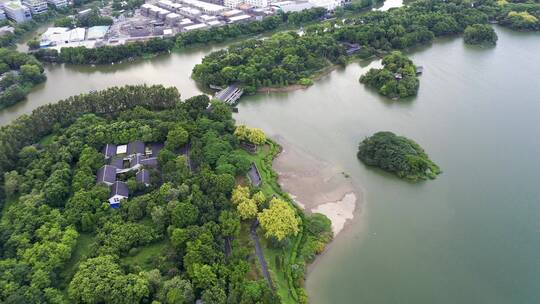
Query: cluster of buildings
(21, 11)
(135, 157)
(58, 37)
(187, 15)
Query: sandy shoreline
(316, 186)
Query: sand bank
(317, 186)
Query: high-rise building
(36, 6)
(17, 12)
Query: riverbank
(316, 186)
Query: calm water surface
(471, 236)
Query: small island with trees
(480, 34)
(397, 78)
(398, 155)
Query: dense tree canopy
(396, 79)
(480, 34)
(397, 154)
(180, 239)
(19, 72)
(282, 59)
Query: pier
(230, 94)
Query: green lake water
(471, 236)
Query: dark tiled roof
(109, 150)
(143, 177)
(135, 147)
(117, 163)
(151, 162)
(106, 174)
(135, 160)
(155, 147)
(119, 188)
(254, 175)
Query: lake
(471, 236)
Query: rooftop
(119, 188)
(106, 174)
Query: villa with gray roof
(134, 156)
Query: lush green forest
(397, 78)
(19, 72)
(398, 155)
(282, 59)
(376, 32)
(480, 34)
(187, 236)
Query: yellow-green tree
(247, 209)
(239, 194)
(259, 198)
(252, 135)
(279, 220)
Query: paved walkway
(258, 251)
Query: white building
(327, 4)
(58, 3)
(194, 27)
(15, 11)
(257, 3)
(36, 6)
(232, 3)
(239, 18)
(236, 3)
(189, 12)
(292, 6)
(205, 7)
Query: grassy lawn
(47, 140)
(277, 272)
(146, 255)
(82, 249)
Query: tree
(214, 295)
(252, 135)
(480, 34)
(184, 214)
(397, 154)
(32, 73)
(11, 182)
(259, 198)
(203, 276)
(247, 209)
(279, 220)
(239, 194)
(101, 280)
(33, 44)
(176, 139)
(230, 223)
(176, 291)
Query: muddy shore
(317, 186)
